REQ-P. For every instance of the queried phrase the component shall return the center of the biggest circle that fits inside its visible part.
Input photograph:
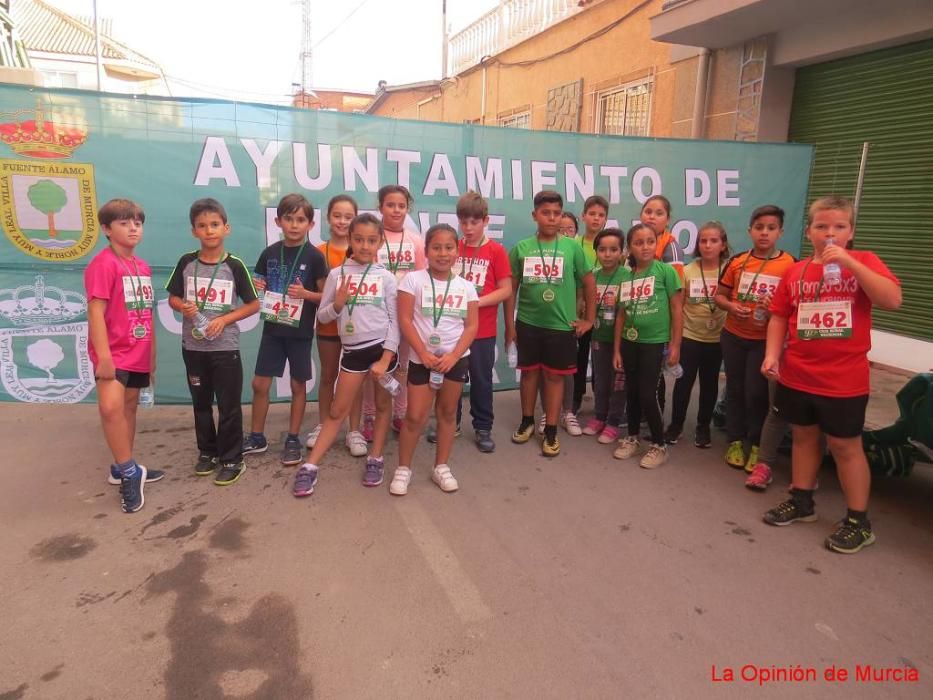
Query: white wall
(897, 351)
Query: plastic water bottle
(259, 278)
(672, 371)
(272, 276)
(201, 323)
(436, 379)
(390, 384)
(760, 314)
(511, 351)
(832, 273)
(146, 397)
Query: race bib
(455, 305)
(642, 291)
(764, 284)
(699, 292)
(368, 291)
(538, 270)
(219, 298)
(607, 298)
(281, 309)
(398, 259)
(137, 292)
(824, 319)
(474, 272)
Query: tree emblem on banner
(43, 348)
(48, 205)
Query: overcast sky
(214, 48)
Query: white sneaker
(399, 485)
(356, 443)
(655, 457)
(542, 421)
(628, 447)
(443, 478)
(313, 436)
(570, 423)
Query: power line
(339, 24)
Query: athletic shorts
(132, 380)
(842, 417)
(419, 375)
(359, 360)
(544, 348)
(274, 350)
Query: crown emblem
(40, 137)
(40, 305)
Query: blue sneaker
(291, 452)
(254, 444)
(305, 481)
(151, 475)
(131, 490)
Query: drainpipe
(482, 107)
(425, 101)
(699, 97)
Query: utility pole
(443, 39)
(305, 49)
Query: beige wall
(623, 54)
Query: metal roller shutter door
(885, 98)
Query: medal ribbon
(709, 300)
(435, 312)
(610, 283)
(209, 284)
(351, 303)
(398, 254)
(553, 260)
(291, 271)
(139, 283)
(463, 264)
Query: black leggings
(703, 359)
(746, 387)
(642, 363)
(583, 362)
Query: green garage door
(884, 98)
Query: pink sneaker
(368, 427)
(609, 435)
(594, 427)
(760, 477)
(397, 424)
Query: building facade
(851, 77)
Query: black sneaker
(229, 473)
(291, 452)
(205, 465)
(484, 441)
(673, 433)
(850, 537)
(131, 490)
(788, 512)
(702, 438)
(254, 444)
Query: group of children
(403, 322)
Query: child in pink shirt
(121, 341)
(401, 253)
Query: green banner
(65, 152)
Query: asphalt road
(578, 577)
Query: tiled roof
(43, 27)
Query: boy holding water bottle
(817, 349)
(212, 290)
(290, 274)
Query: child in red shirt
(822, 323)
(121, 341)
